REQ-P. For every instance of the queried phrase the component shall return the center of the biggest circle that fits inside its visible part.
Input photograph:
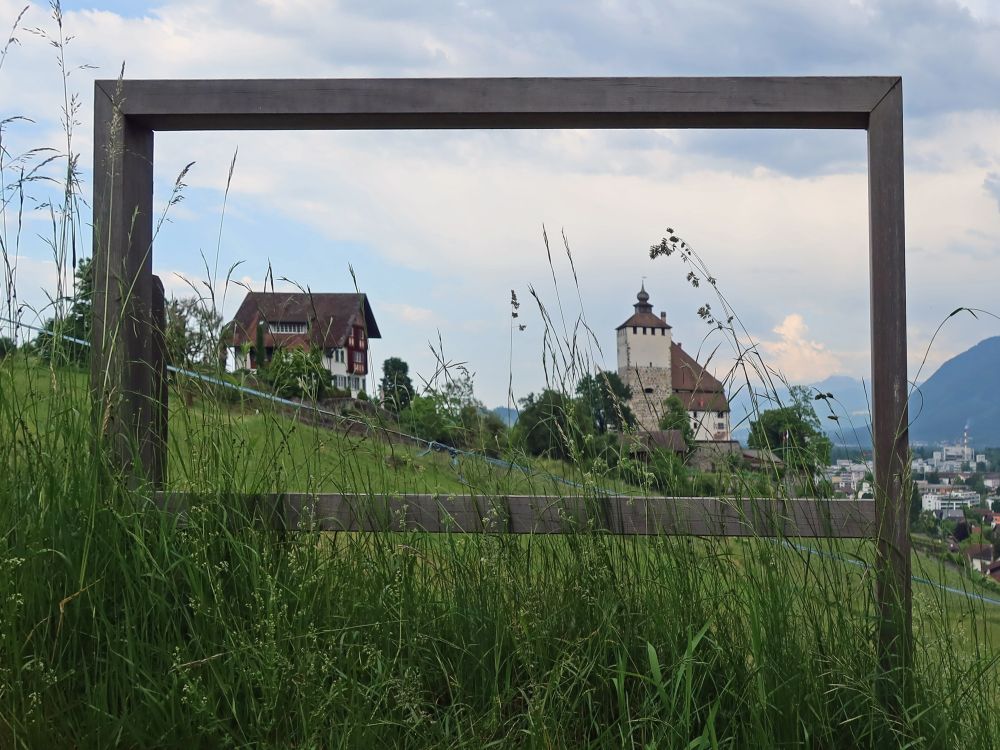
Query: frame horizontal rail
(522, 514)
(430, 103)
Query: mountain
(509, 416)
(962, 394)
(848, 401)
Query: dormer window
(284, 326)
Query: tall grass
(121, 625)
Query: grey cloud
(949, 59)
(992, 186)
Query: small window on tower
(648, 390)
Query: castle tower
(644, 352)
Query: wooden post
(158, 465)
(889, 382)
(122, 369)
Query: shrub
(297, 373)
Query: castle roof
(696, 387)
(643, 315)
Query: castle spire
(643, 306)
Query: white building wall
(949, 501)
(236, 359)
(650, 349)
(708, 425)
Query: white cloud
(411, 313)
(466, 208)
(796, 357)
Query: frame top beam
(498, 103)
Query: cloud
(780, 216)
(796, 357)
(411, 313)
(992, 186)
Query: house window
(644, 330)
(359, 358)
(720, 414)
(338, 355)
(635, 329)
(283, 326)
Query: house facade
(655, 367)
(338, 325)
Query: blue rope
(432, 445)
(915, 579)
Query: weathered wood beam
(432, 103)
(890, 387)
(523, 514)
(122, 371)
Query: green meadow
(122, 627)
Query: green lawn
(254, 444)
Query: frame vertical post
(889, 382)
(158, 467)
(122, 373)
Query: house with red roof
(655, 367)
(340, 325)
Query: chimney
(663, 316)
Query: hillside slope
(962, 393)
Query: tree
(297, 373)
(977, 483)
(675, 417)
(192, 334)
(606, 397)
(793, 433)
(962, 531)
(397, 388)
(76, 325)
(916, 506)
(548, 424)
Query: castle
(654, 367)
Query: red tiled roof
(330, 317)
(697, 388)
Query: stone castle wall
(650, 387)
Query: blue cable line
(433, 445)
(915, 579)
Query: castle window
(648, 390)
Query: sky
(439, 227)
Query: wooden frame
(128, 361)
